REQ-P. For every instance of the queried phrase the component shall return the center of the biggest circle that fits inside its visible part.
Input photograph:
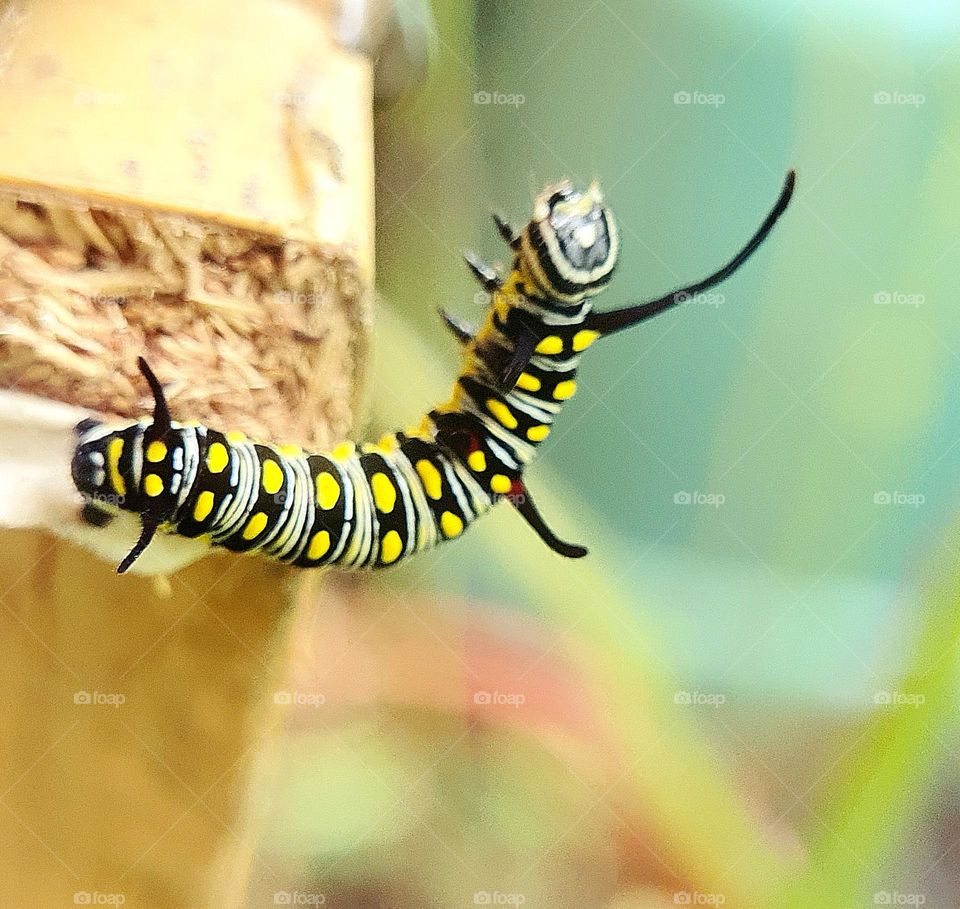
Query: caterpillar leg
(488, 278)
(606, 323)
(462, 330)
(95, 517)
(520, 499)
(529, 332)
(506, 232)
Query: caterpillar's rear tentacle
(606, 323)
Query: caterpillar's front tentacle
(161, 413)
(461, 329)
(150, 525)
(606, 323)
(520, 499)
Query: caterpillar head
(96, 469)
(570, 247)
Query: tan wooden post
(192, 182)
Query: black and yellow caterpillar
(375, 504)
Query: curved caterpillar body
(375, 504)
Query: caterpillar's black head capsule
(96, 468)
(89, 465)
(570, 247)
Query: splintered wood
(262, 330)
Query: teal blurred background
(796, 393)
(776, 672)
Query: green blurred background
(810, 618)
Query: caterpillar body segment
(374, 505)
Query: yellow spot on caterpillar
(319, 545)
(217, 457)
(204, 505)
(387, 444)
(384, 492)
(431, 479)
(450, 524)
(528, 382)
(255, 525)
(551, 344)
(538, 433)
(422, 430)
(500, 483)
(343, 451)
(502, 413)
(564, 390)
(477, 461)
(152, 485)
(114, 450)
(390, 547)
(156, 451)
(235, 436)
(583, 339)
(272, 478)
(328, 490)
(290, 451)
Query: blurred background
(746, 695)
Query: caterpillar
(373, 505)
